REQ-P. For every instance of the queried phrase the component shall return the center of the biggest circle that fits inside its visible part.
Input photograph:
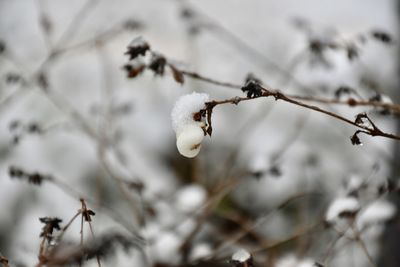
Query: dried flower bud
(137, 47)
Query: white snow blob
(341, 206)
(241, 255)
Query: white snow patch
(190, 198)
(354, 183)
(377, 212)
(241, 255)
(259, 163)
(342, 205)
(166, 248)
(200, 251)
(185, 107)
(185, 226)
(138, 41)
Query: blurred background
(282, 182)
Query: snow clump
(241, 256)
(341, 207)
(377, 212)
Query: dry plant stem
(351, 102)
(60, 236)
(62, 105)
(84, 210)
(357, 237)
(42, 252)
(81, 234)
(362, 245)
(65, 228)
(244, 223)
(101, 38)
(4, 261)
(111, 213)
(372, 131)
(199, 77)
(330, 251)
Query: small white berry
(189, 140)
(187, 126)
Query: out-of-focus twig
(4, 260)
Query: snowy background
(301, 158)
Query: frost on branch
(188, 123)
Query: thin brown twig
(329, 252)
(4, 260)
(372, 131)
(200, 77)
(101, 38)
(81, 234)
(42, 252)
(86, 216)
(362, 245)
(111, 212)
(351, 102)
